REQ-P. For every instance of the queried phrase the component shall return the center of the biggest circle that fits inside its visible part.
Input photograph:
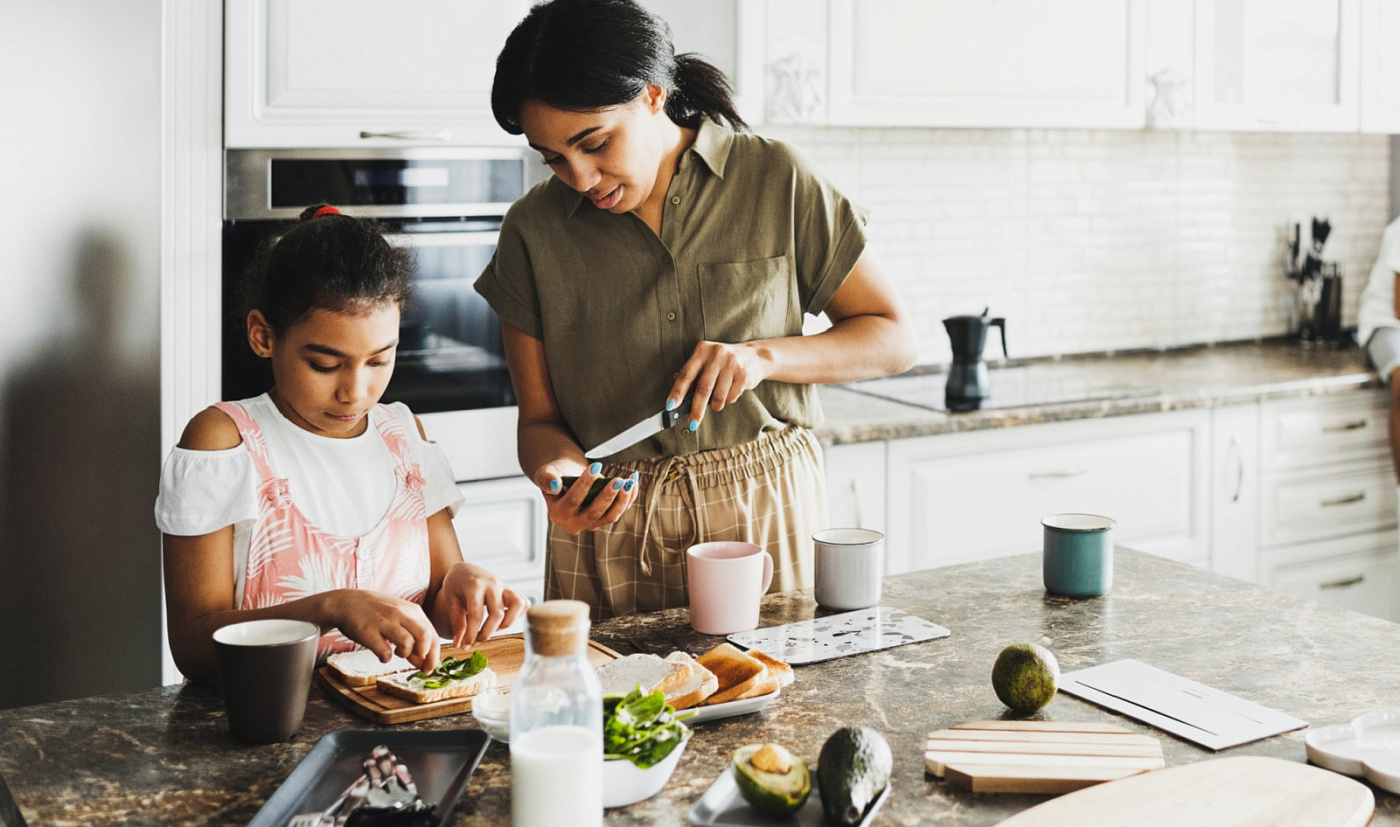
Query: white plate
(723, 806)
(729, 709)
(1368, 747)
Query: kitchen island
(163, 756)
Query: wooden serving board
(504, 656)
(1244, 791)
(1038, 756)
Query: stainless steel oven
(444, 203)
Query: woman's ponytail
(701, 91)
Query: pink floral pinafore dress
(290, 558)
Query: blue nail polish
(554, 486)
(595, 468)
(617, 485)
(694, 425)
(671, 404)
(627, 486)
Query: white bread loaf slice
(402, 685)
(650, 672)
(736, 671)
(780, 674)
(361, 667)
(701, 685)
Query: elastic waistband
(722, 465)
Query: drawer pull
(1354, 425)
(1058, 475)
(1344, 584)
(412, 135)
(1347, 500)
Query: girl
(314, 502)
(670, 256)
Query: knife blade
(650, 426)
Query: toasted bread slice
(701, 685)
(361, 667)
(780, 674)
(736, 671)
(402, 685)
(649, 672)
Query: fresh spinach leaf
(451, 670)
(641, 728)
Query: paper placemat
(836, 636)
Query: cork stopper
(558, 627)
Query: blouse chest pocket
(748, 300)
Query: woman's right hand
(565, 501)
(383, 624)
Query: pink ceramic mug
(726, 581)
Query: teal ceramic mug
(1078, 554)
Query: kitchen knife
(652, 425)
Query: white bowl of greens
(642, 743)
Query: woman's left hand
(717, 374)
(478, 603)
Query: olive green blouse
(752, 237)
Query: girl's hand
(477, 603)
(566, 504)
(383, 624)
(717, 374)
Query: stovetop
(1011, 387)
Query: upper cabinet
(1380, 66)
(1005, 63)
(1289, 65)
(363, 72)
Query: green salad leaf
(451, 670)
(644, 729)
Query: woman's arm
(547, 448)
(871, 335)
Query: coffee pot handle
(1000, 324)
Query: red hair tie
(326, 210)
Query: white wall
(79, 368)
(1105, 240)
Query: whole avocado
(852, 770)
(1025, 677)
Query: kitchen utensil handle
(1057, 475)
(1354, 425)
(1345, 583)
(1347, 500)
(412, 135)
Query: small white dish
(729, 709)
(722, 805)
(1368, 747)
(625, 783)
(491, 709)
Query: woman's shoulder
(210, 430)
(548, 201)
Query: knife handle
(674, 416)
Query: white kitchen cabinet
(957, 498)
(363, 72)
(1289, 65)
(727, 33)
(1361, 573)
(1380, 66)
(1234, 491)
(1012, 63)
(501, 527)
(855, 485)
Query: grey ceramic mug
(1078, 554)
(265, 671)
(850, 567)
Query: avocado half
(593, 491)
(771, 779)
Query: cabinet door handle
(1058, 475)
(1234, 449)
(855, 500)
(1354, 425)
(412, 135)
(1344, 583)
(1347, 500)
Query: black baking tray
(441, 763)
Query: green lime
(1025, 677)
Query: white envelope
(1214, 719)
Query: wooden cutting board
(1245, 791)
(504, 656)
(1038, 756)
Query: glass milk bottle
(556, 723)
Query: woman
(684, 276)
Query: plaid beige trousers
(770, 492)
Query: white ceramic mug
(850, 567)
(726, 581)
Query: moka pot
(968, 381)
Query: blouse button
(670, 317)
(675, 199)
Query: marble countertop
(1194, 377)
(163, 756)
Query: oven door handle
(467, 238)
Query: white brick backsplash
(1089, 240)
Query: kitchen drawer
(959, 498)
(501, 527)
(1310, 432)
(1359, 573)
(1310, 504)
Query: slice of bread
(649, 672)
(402, 685)
(736, 670)
(361, 667)
(780, 674)
(701, 685)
